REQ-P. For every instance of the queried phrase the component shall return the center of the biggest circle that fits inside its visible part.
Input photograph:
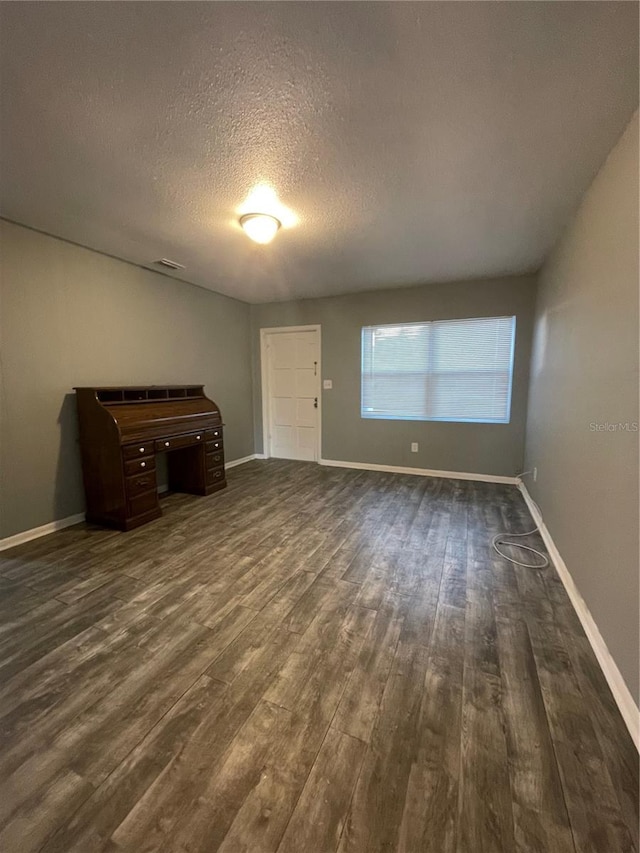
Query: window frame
(386, 417)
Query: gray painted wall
(584, 372)
(476, 448)
(71, 317)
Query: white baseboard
(420, 472)
(621, 693)
(43, 530)
(243, 459)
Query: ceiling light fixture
(260, 227)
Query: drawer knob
(141, 449)
(198, 437)
(166, 444)
(143, 464)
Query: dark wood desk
(121, 431)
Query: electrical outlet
(535, 474)
(327, 384)
(414, 446)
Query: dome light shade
(260, 227)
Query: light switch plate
(327, 384)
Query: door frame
(265, 388)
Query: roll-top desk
(121, 431)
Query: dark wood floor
(314, 660)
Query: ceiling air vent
(172, 265)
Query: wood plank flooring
(316, 660)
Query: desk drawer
(176, 441)
(215, 475)
(214, 434)
(139, 466)
(215, 460)
(214, 446)
(143, 503)
(140, 483)
(136, 451)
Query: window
(448, 370)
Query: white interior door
(293, 390)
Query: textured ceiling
(415, 142)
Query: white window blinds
(448, 370)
